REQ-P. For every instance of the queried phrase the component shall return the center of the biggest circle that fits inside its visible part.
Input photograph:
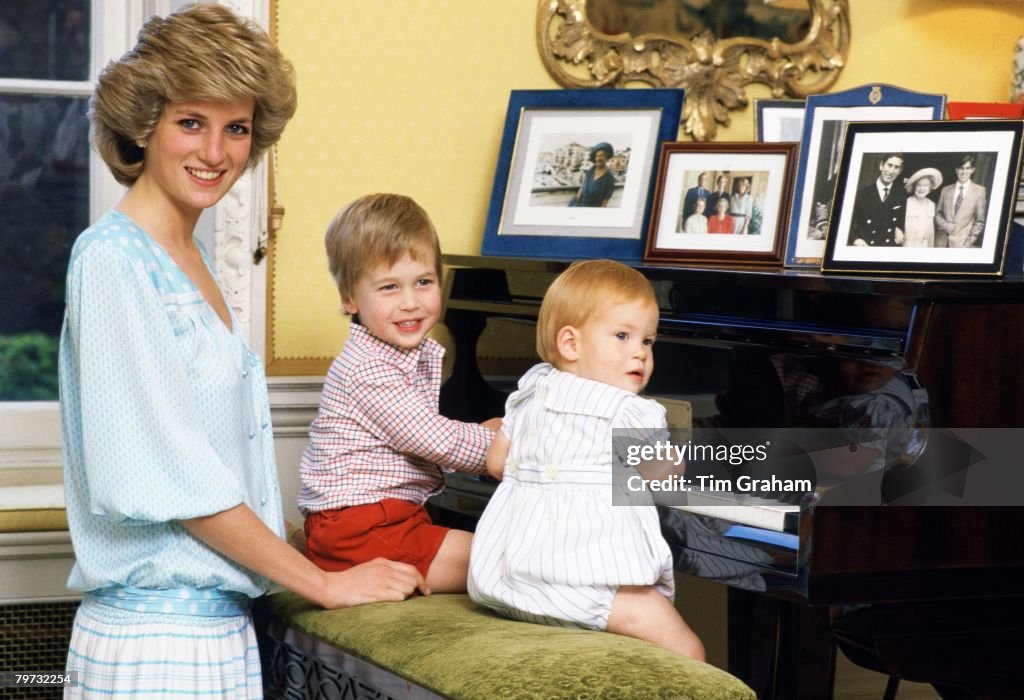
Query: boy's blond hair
(378, 229)
(582, 290)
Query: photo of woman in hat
(919, 221)
(598, 182)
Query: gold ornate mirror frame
(712, 71)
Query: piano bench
(445, 646)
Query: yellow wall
(410, 95)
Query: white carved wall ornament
(239, 227)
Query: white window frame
(30, 430)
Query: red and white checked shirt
(378, 433)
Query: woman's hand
(242, 537)
(379, 580)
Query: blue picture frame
(825, 118)
(526, 217)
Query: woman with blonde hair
(720, 220)
(170, 480)
(741, 206)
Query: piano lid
(787, 309)
(1010, 286)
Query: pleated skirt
(127, 654)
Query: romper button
(252, 434)
(550, 471)
(245, 373)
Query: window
(52, 186)
(45, 50)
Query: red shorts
(394, 529)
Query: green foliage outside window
(28, 367)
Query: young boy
(378, 447)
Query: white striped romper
(551, 547)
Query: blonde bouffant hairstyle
(200, 52)
(584, 289)
(378, 229)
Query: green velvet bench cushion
(450, 647)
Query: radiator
(34, 638)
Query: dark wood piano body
(944, 584)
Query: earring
(141, 143)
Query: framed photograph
(985, 110)
(575, 172)
(817, 172)
(778, 120)
(991, 110)
(925, 198)
(721, 203)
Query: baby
(551, 547)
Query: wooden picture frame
(691, 227)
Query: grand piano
(929, 593)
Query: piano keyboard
(746, 510)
